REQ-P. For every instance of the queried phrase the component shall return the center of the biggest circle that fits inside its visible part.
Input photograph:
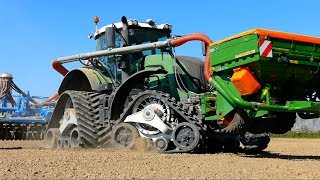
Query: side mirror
(203, 48)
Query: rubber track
(170, 101)
(86, 105)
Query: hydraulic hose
(54, 97)
(58, 67)
(197, 37)
(63, 71)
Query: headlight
(133, 22)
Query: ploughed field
(283, 159)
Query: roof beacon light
(150, 22)
(96, 19)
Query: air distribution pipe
(197, 37)
(57, 63)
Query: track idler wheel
(51, 137)
(161, 144)
(186, 136)
(124, 135)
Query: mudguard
(121, 93)
(85, 79)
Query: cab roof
(119, 25)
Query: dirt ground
(283, 159)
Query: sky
(33, 32)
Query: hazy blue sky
(34, 32)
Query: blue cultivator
(21, 117)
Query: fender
(85, 79)
(121, 93)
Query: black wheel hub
(124, 135)
(186, 136)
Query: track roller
(66, 143)
(186, 136)
(74, 138)
(124, 135)
(60, 143)
(161, 144)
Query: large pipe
(57, 63)
(198, 37)
(125, 31)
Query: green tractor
(135, 87)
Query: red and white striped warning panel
(265, 48)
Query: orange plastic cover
(274, 34)
(244, 81)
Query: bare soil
(283, 159)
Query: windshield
(108, 62)
(102, 42)
(143, 35)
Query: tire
(231, 144)
(259, 125)
(282, 123)
(239, 124)
(254, 143)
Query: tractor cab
(124, 34)
(114, 35)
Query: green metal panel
(168, 80)
(291, 73)
(297, 51)
(223, 105)
(234, 53)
